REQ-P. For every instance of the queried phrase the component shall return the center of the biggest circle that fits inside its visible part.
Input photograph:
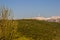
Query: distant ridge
(50, 19)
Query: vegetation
(7, 26)
(39, 30)
(7, 30)
(27, 29)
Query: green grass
(39, 30)
(29, 29)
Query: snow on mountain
(50, 19)
(54, 19)
(39, 18)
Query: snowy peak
(50, 19)
(39, 18)
(55, 17)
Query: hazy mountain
(50, 19)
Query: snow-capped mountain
(50, 19)
(39, 18)
(54, 19)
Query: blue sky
(33, 8)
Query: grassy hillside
(29, 29)
(39, 30)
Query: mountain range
(49, 19)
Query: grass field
(29, 29)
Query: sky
(33, 8)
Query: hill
(39, 30)
(31, 29)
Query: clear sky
(33, 8)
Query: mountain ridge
(49, 19)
